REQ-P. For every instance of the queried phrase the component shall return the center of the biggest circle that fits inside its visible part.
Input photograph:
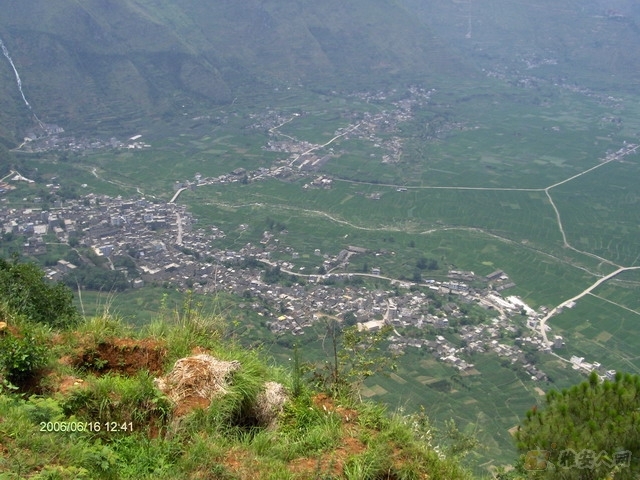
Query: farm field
(486, 401)
(484, 179)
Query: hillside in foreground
(87, 399)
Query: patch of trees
(29, 307)
(273, 275)
(26, 292)
(251, 262)
(95, 278)
(189, 251)
(355, 280)
(247, 262)
(5, 160)
(424, 263)
(585, 429)
(67, 192)
(124, 261)
(349, 318)
(329, 281)
(275, 226)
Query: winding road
(572, 300)
(317, 147)
(547, 190)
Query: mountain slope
(593, 42)
(87, 63)
(122, 59)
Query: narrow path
(272, 130)
(179, 223)
(94, 172)
(615, 303)
(557, 212)
(546, 190)
(317, 147)
(395, 229)
(577, 297)
(427, 187)
(21, 177)
(11, 172)
(511, 242)
(177, 194)
(589, 170)
(307, 211)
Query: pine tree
(596, 420)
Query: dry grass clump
(269, 404)
(199, 376)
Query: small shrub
(26, 292)
(113, 398)
(22, 354)
(43, 410)
(101, 459)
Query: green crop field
(609, 199)
(486, 401)
(471, 134)
(468, 190)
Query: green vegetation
(587, 431)
(517, 108)
(163, 66)
(26, 293)
(479, 230)
(96, 278)
(87, 406)
(84, 402)
(355, 356)
(23, 352)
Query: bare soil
(122, 355)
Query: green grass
(608, 199)
(493, 136)
(315, 434)
(602, 332)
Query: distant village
(51, 137)
(169, 248)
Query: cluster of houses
(164, 243)
(367, 126)
(52, 139)
(578, 363)
(481, 338)
(167, 247)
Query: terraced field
(495, 189)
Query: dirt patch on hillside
(189, 403)
(332, 462)
(122, 355)
(243, 464)
(326, 403)
(6, 329)
(69, 383)
(329, 463)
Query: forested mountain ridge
(82, 63)
(120, 58)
